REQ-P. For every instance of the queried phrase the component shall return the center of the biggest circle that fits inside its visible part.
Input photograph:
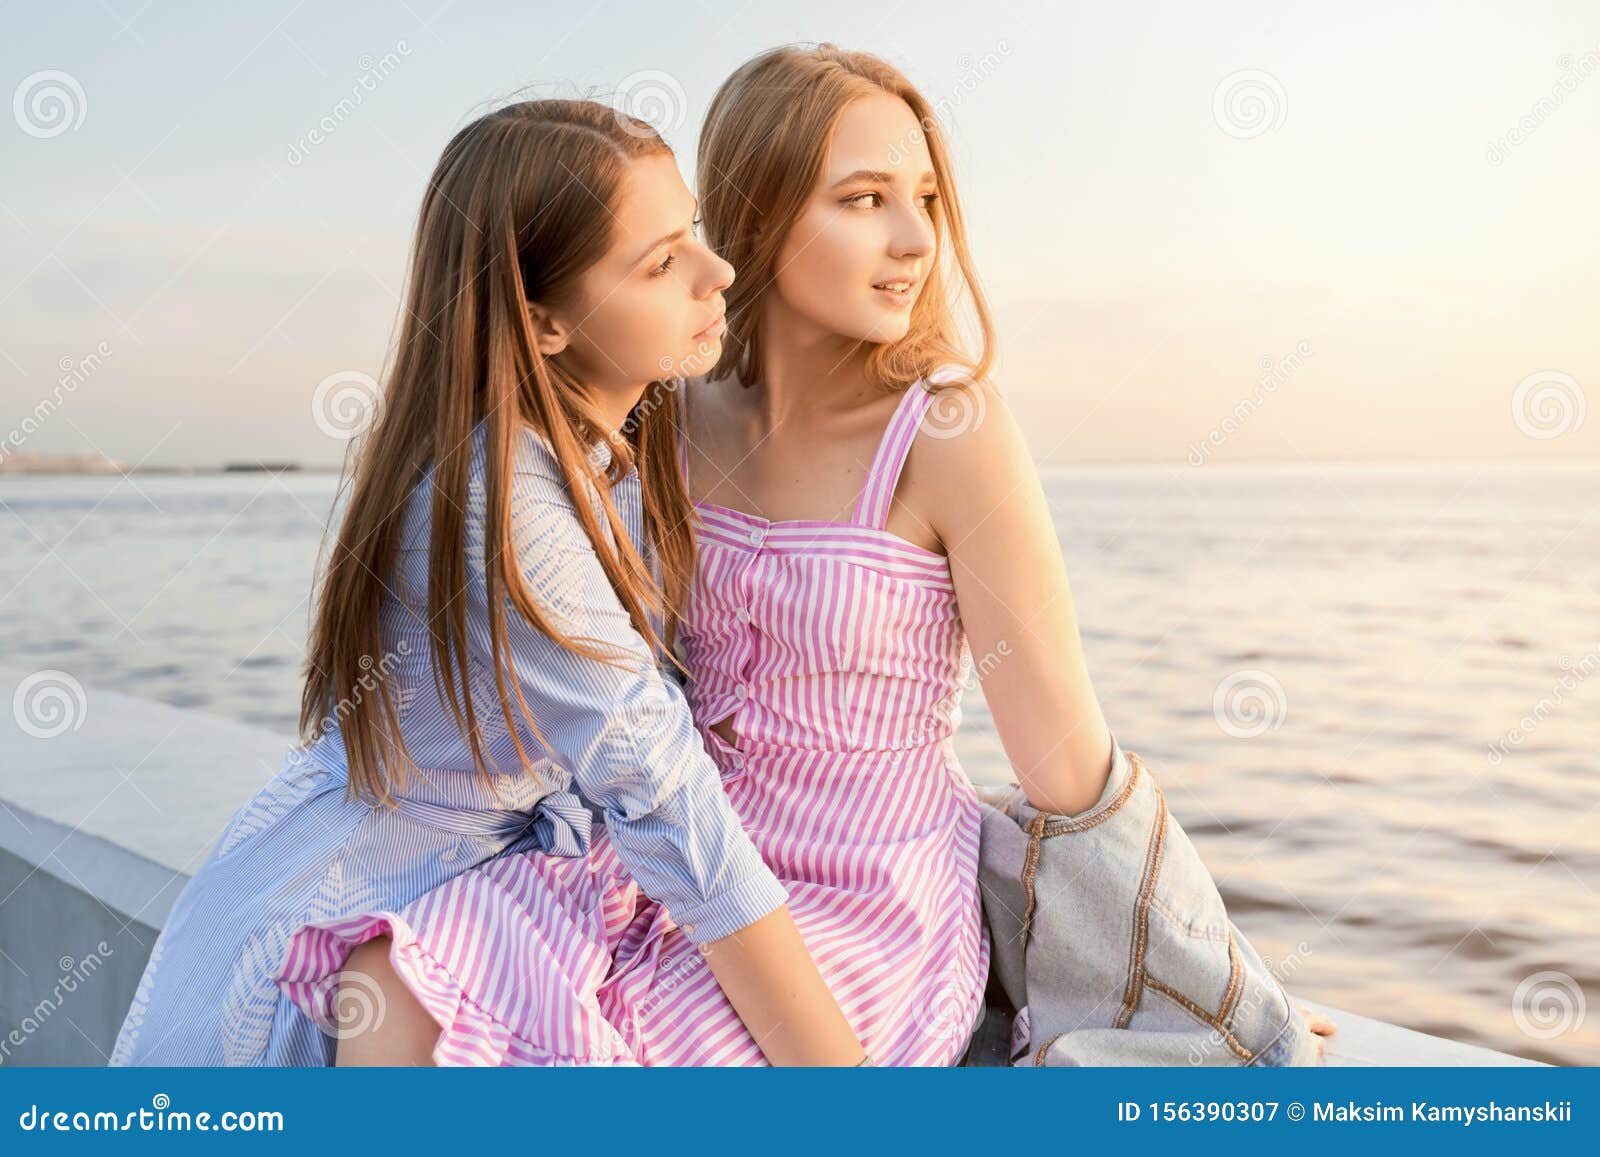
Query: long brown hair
(762, 147)
(515, 211)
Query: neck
(806, 368)
(613, 404)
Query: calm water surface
(1369, 692)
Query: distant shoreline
(40, 469)
(230, 468)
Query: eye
(659, 270)
(928, 200)
(877, 199)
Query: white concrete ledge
(157, 781)
(100, 828)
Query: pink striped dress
(837, 650)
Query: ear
(550, 334)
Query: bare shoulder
(969, 455)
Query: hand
(1320, 1025)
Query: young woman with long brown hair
(485, 665)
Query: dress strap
(872, 507)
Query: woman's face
(865, 241)
(652, 307)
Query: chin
(698, 359)
(886, 331)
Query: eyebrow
(675, 235)
(882, 176)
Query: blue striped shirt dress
(619, 742)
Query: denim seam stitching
(1158, 831)
(1192, 928)
(1203, 1016)
(1230, 998)
(1288, 1025)
(1063, 826)
(1038, 1057)
(1030, 872)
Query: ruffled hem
(470, 1035)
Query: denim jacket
(1112, 944)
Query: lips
(900, 287)
(716, 324)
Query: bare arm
(984, 500)
(770, 979)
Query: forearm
(773, 984)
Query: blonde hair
(762, 147)
(514, 213)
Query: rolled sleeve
(622, 730)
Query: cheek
(626, 337)
(826, 257)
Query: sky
(1213, 233)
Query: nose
(913, 235)
(717, 275)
